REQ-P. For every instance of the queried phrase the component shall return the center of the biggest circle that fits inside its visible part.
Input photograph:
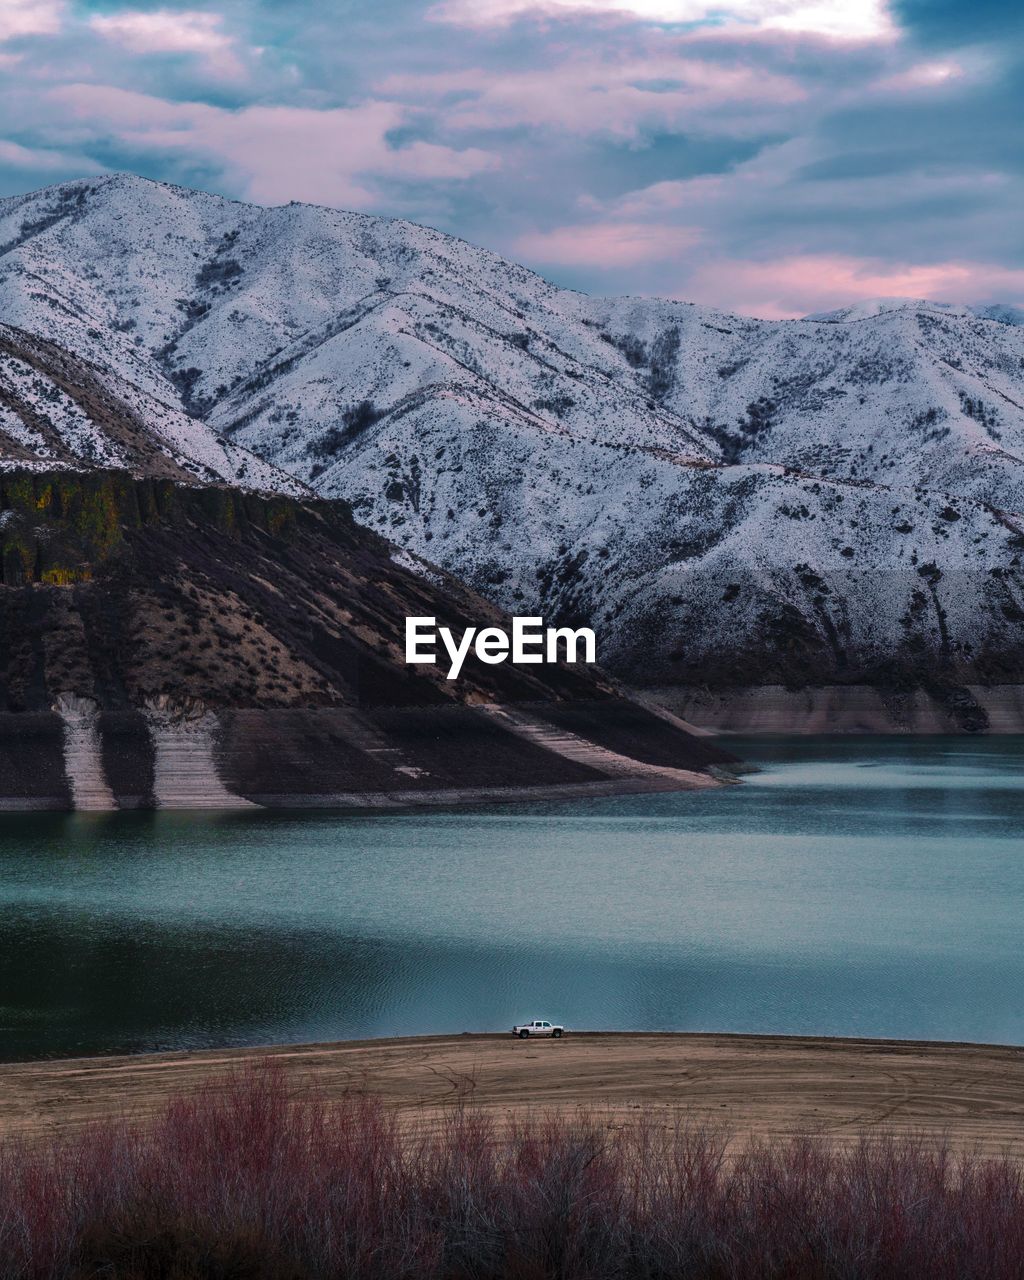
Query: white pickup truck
(538, 1028)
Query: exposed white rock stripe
(611, 763)
(83, 753)
(184, 771)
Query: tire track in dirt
(756, 1086)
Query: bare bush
(244, 1180)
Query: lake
(869, 887)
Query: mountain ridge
(726, 500)
(868, 308)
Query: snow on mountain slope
(58, 411)
(725, 498)
(910, 398)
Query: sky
(771, 157)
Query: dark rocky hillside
(126, 590)
(151, 631)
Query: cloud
(778, 155)
(800, 197)
(606, 246)
(763, 238)
(171, 31)
(30, 18)
(844, 19)
(32, 160)
(920, 76)
(274, 153)
(587, 97)
(954, 24)
(798, 285)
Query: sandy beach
(755, 1085)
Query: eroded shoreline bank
(846, 709)
(84, 758)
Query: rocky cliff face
(727, 501)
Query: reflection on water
(854, 886)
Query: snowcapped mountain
(727, 500)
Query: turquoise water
(854, 887)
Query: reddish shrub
(244, 1182)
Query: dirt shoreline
(353, 803)
(350, 759)
(763, 1086)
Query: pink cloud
(605, 246)
(30, 18)
(588, 96)
(171, 31)
(797, 285)
(274, 153)
(38, 160)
